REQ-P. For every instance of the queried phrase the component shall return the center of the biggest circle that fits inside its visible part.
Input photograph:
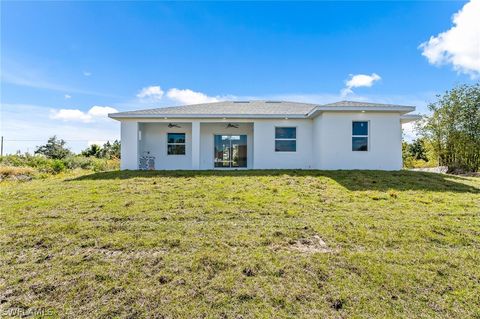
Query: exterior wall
(154, 141)
(265, 156)
(129, 149)
(207, 145)
(333, 139)
(324, 142)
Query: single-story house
(264, 135)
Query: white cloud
(27, 126)
(86, 73)
(96, 112)
(460, 45)
(188, 96)
(70, 115)
(153, 92)
(101, 111)
(67, 96)
(359, 80)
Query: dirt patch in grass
(16, 173)
(314, 244)
(108, 253)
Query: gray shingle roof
(248, 109)
(232, 108)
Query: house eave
(410, 118)
(120, 116)
(313, 113)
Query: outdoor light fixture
(229, 125)
(170, 125)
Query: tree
(55, 148)
(92, 150)
(111, 150)
(115, 149)
(417, 150)
(406, 156)
(454, 128)
(108, 151)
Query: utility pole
(1, 147)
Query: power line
(22, 140)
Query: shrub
(57, 166)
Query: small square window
(285, 132)
(285, 146)
(360, 128)
(176, 138)
(285, 139)
(176, 143)
(359, 144)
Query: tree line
(56, 148)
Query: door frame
(230, 161)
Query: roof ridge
(256, 108)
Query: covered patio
(179, 144)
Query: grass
(241, 244)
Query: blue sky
(64, 65)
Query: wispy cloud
(359, 80)
(17, 74)
(460, 45)
(67, 96)
(87, 73)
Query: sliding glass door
(230, 151)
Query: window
(285, 139)
(176, 143)
(360, 136)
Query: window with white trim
(285, 139)
(176, 143)
(360, 136)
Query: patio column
(129, 150)
(195, 145)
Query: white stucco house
(264, 135)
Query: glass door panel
(230, 151)
(222, 151)
(239, 150)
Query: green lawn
(242, 244)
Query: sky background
(65, 65)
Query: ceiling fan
(170, 125)
(230, 125)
